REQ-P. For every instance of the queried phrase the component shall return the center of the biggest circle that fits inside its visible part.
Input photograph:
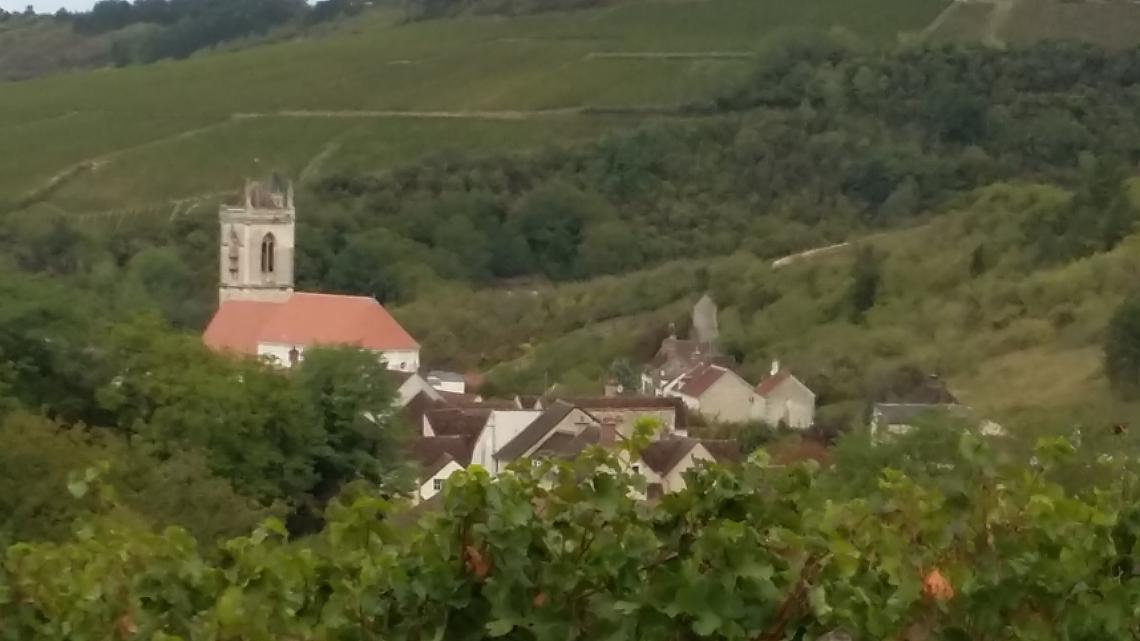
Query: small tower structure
(257, 240)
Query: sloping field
(1111, 23)
(101, 140)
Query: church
(259, 312)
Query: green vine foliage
(562, 550)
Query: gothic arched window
(234, 252)
(267, 253)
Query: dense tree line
(178, 28)
(825, 141)
(82, 381)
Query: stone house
(786, 400)
(718, 393)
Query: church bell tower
(256, 258)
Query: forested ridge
(121, 32)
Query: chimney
(609, 432)
(775, 367)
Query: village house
(259, 312)
(717, 393)
(915, 399)
(496, 434)
(785, 400)
(694, 371)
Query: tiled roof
(634, 403)
(457, 421)
(664, 455)
(700, 379)
(306, 319)
(563, 445)
(723, 450)
(677, 355)
(772, 382)
(533, 433)
(428, 450)
(625, 402)
(417, 407)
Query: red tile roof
(306, 319)
(698, 380)
(772, 382)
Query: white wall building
(260, 314)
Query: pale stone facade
(257, 237)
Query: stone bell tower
(256, 258)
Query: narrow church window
(234, 253)
(267, 251)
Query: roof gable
(700, 379)
(457, 421)
(664, 455)
(772, 383)
(534, 433)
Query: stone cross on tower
(256, 242)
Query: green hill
(1018, 340)
(144, 136)
(636, 155)
(1111, 23)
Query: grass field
(144, 135)
(1112, 23)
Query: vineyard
(971, 542)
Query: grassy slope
(177, 118)
(1112, 23)
(1019, 342)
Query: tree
(552, 219)
(608, 248)
(866, 277)
(38, 456)
(372, 264)
(625, 374)
(166, 281)
(353, 399)
(1122, 348)
(247, 417)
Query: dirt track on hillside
(504, 114)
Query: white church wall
(404, 360)
(278, 353)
